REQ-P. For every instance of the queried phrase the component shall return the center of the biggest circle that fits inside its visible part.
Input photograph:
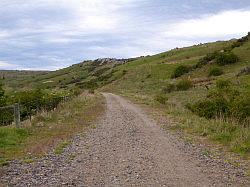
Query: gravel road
(125, 148)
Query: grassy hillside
(82, 75)
(151, 80)
(148, 81)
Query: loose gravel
(124, 148)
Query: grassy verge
(49, 129)
(230, 134)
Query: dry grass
(49, 129)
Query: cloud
(6, 65)
(51, 34)
(223, 24)
(4, 34)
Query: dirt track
(126, 148)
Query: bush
(161, 98)
(180, 70)
(210, 108)
(184, 84)
(223, 101)
(226, 58)
(215, 71)
(205, 60)
(240, 108)
(169, 88)
(2, 96)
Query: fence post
(17, 115)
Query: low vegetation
(226, 58)
(32, 102)
(223, 102)
(184, 85)
(181, 70)
(47, 129)
(209, 95)
(215, 71)
(204, 89)
(161, 98)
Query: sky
(52, 34)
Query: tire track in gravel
(126, 148)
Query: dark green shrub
(205, 60)
(223, 101)
(161, 98)
(184, 84)
(226, 58)
(210, 108)
(169, 88)
(215, 71)
(2, 96)
(180, 70)
(240, 108)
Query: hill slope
(149, 80)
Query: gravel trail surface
(125, 148)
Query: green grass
(12, 137)
(50, 129)
(145, 79)
(60, 147)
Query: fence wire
(29, 109)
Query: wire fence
(18, 112)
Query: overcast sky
(51, 34)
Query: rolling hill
(149, 80)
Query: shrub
(209, 57)
(226, 58)
(169, 88)
(180, 70)
(2, 96)
(161, 98)
(215, 71)
(210, 108)
(184, 84)
(223, 101)
(240, 108)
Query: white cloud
(56, 33)
(7, 65)
(4, 34)
(227, 23)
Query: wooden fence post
(17, 115)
